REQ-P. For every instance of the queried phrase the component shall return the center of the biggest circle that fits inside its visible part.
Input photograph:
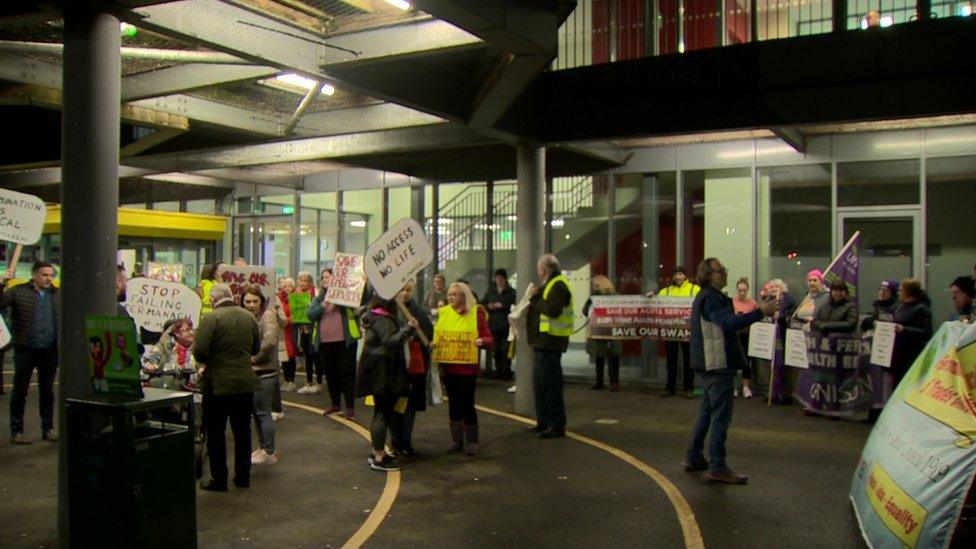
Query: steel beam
(155, 138)
(222, 114)
(191, 76)
(411, 38)
(368, 118)
(51, 175)
(792, 137)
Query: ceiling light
(359, 224)
(401, 4)
(299, 81)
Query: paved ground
(520, 491)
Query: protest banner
(762, 340)
(455, 347)
(883, 344)
(152, 302)
(397, 256)
(917, 466)
(796, 349)
(834, 384)
(298, 303)
(348, 281)
(22, 217)
(639, 317)
(239, 278)
(113, 360)
(4, 334)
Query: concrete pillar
(529, 235)
(89, 199)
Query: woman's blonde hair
(602, 285)
(469, 302)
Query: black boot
(457, 437)
(471, 433)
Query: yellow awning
(155, 224)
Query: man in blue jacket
(716, 355)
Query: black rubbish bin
(131, 479)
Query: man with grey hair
(226, 340)
(550, 323)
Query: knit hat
(678, 269)
(965, 285)
(890, 285)
(817, 273)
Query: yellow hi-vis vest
(454, 336)
(352, 323)
(561, 326)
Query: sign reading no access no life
(396, 257)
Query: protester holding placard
(382, 375)
(743, 304)
(288, 336)
(815, 298)
(838, 315)
(208, 277)
(883, 308)
(417, 368)
(549, 325)
(265, 365)
(460, 333)
(913, 327)
(313, 370)
(680, 287)
(35, 308)
(782, 379)
(336, 334)
(603, 350)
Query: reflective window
(718, 217)
(362, 220)
(876, 183)
(950, 234)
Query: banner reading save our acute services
(918, 464)
(640, 317)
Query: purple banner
(840, 381)
(844, 268)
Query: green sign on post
(113, 360)
(298, 302)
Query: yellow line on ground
(686, 517)
(390, 490)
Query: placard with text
(396, 257)
(348, 281)
(639, 317)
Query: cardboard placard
(883, 344)
(152, 302)
(4, 334)
(795, 351)
(348, 281)
(239, 278)
(298, 303)
(455, 347)
(113, 360)
(396, 257)
(762, 340)
(22, 217)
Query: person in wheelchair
(169, 364)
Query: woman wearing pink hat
(815, 298)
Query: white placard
(795, 351)
(348, 281)
(397, 256)
(4, 334)
(762, 340)
(22, 217)
(239, 278)
(151, 302)
(883, 344)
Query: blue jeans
(263, 400)
(547, 382)
(715, 413)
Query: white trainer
(511, 389)
(315, 389)
(288, 386)
(747, 392)
(262, 457)
(275, 416)
(307, 390)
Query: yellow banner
(947, 393)
(455, 347)
(900, 513)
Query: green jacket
(225, 342)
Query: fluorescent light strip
(401, 4)
(300, 81)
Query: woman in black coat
(913, 327)
(382, 374)
(417, 369)
(838, 315)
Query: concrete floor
(520, 491)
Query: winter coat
(560, 297)
(916, 322)
(287, 335)
(715, 345)
(22, 301)
(498, 318)
(603, 348)
(265, 361)
(835, 317)
(226, 340)
(382, 366)
(880, 310)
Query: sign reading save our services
(348, 281)
(396, 257)
(21, 217)
(113, 360)
(152, 302)
(917, 466)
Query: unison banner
(918, 464)
(835, 383)
(640, 317)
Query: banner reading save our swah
(22, 217)
(396, 257)
(152, 302)
(917, 466)
(640, 317)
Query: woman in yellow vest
(208, 277)
(460, 333)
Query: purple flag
(844, 267)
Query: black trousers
(217, 409)
(503, 366)
(460, 404)
(311, 364)
(385, 421)
(339, 362)
(288, 369)
(614, 369)
(671, 347)
(747, 369)
(46, 362)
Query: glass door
(266, 240)
(891, 243)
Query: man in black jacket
(35, 308)
(550, 323)
(499, 301)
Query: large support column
(89, 199)
(529, 235)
